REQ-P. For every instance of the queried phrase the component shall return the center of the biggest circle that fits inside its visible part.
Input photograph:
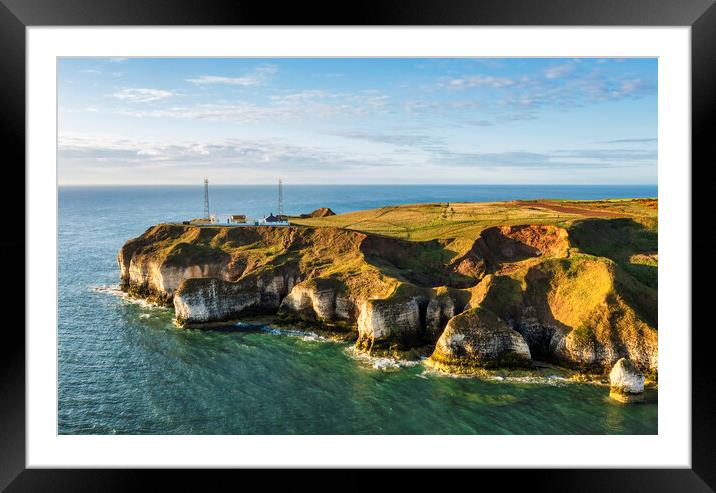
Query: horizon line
(198, 184)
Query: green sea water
(124, 368)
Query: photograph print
(357, 246)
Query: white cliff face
(639, 346)
(576, 349)
(202, 300)
(275, 285)
(318, 301)
(344, 307)
(453, 343)
(477, 337)
(298, 300)
(170, 278)
(626, 378)
(382, 321)
(379, 321)
(211, 302)
(165, 279)
(371, 325)
(437, 314)
(538, 335)
(143, 272)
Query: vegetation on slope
(632, 243)
(588, 270)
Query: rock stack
(626, 382)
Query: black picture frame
(700, 15)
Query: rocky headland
(468, 288)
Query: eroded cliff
(507, 296)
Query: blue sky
(357, 120)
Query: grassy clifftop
(623, 230)
(421, 222)
(576, 280)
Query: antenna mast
(206, 198)
(280, 197)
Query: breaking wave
(303, 335)
(554, 380)
(383, 363)
(114, 290)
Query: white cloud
(94, 151)
(426, 142)
(571, 159)
(560, 70)
(142, 95)
(300, 105)
(257, 76)
(649, 140)
(303, 96)
(96, 71)
(564, 85)
(360, 102)
(470, 81)
(240, 112)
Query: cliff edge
(574, 289)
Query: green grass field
(421, 222)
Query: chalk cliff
(510, 295)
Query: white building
(272, 220)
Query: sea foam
(114, 290)
(384, 363)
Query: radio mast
(206, 198)
(280, 197)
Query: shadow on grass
(619, 240)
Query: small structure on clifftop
(272, 220)
(203, 221)
(626, 382)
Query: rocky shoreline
(535, 371)
(515, 295)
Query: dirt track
(583, 211)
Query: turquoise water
(124, 368)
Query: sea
(125, 368)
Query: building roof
(272, 219)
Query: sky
(150, 121)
